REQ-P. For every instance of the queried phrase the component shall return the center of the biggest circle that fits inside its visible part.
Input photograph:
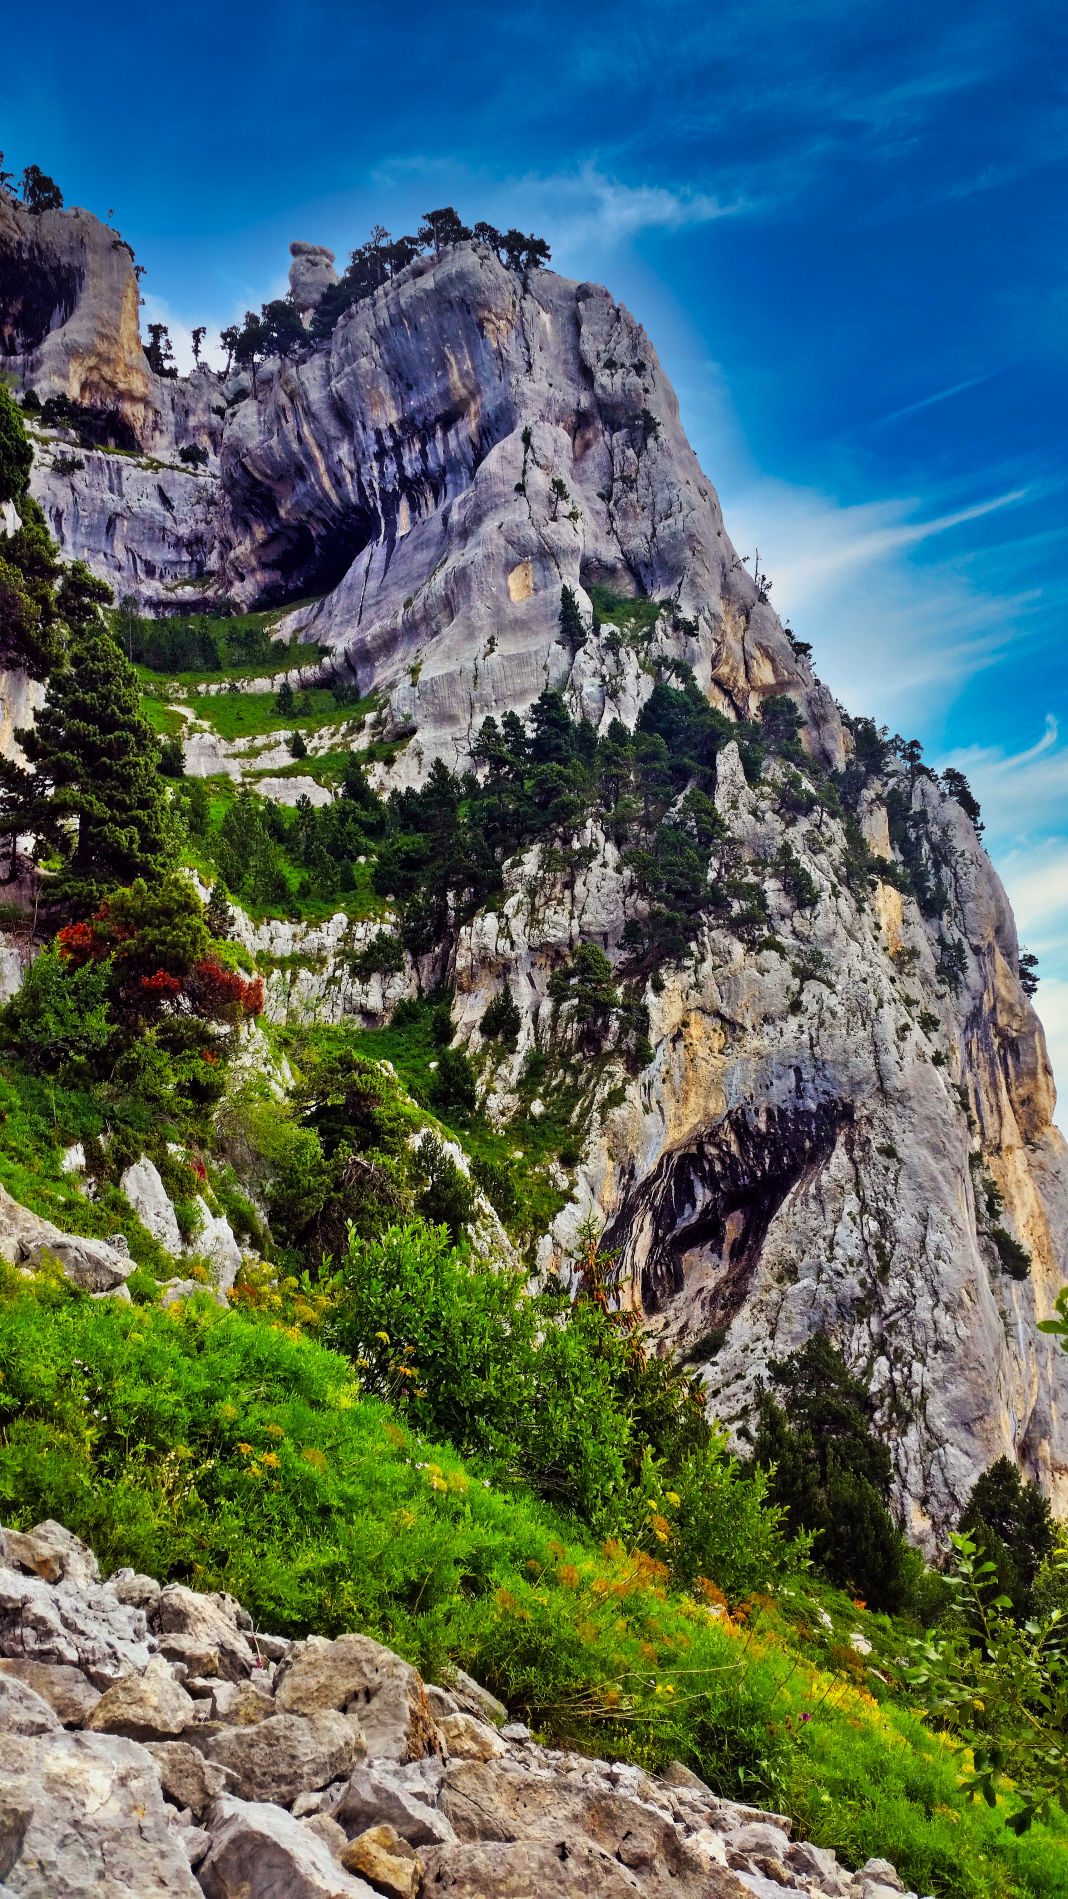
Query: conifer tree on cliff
(29, 636)
(96, 760)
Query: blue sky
(843, 226)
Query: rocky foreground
(153, 1742)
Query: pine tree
(29, 635)
(96, 759)
(572, 632)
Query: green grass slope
(233, 1450)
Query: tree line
(278, 329)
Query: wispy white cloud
(582, 208)
(930, 402)
(885, 627)
(1025, 793)
(592, 210)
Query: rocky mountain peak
(476, 487)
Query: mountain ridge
(833, 1077)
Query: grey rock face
(94, 1824)
(442, 560)
(803, 1151)
(798, 1154)
(70, 315)
(146, 527)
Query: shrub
(1015, 1259)
(383, 955)
(58, 1017)
(496, 1182)
(501, 1020)
(447, 1200)
(453, 1086)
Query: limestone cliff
(836, 1101)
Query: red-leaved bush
(213, 990)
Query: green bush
(448, 1199)
(383, 955)
(501, 1020)
(557, 1395)
(496, 1182)
(453, 1085)
(1011, 1522)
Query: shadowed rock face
(711, 1201)
(69, 313)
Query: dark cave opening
(37, 294)
(719, 1193)
(301, 564)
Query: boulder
(196, 1842)
(497, 1801)
(287, 1754)
(196, 1655)
(325, 1829)
(141, 1592)
(151, 1202)
(188, 1779)
(310, 273)
(676, 1775)
(175, 1291)
(212, 1619)
(474, 1699)
(471, 1740)
(757, 1839)
(215, 1242)
(26, 1239)
(68, 1692)
(361, 1676)
(388, 1862)
(52, 1553)
(260, 1852)
(374, 1795)
(528, 1869)
(80, 1628)
(148, 1707)
(94, 1824)
(881, 1873)
(22, 1711)
(242, 1703)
